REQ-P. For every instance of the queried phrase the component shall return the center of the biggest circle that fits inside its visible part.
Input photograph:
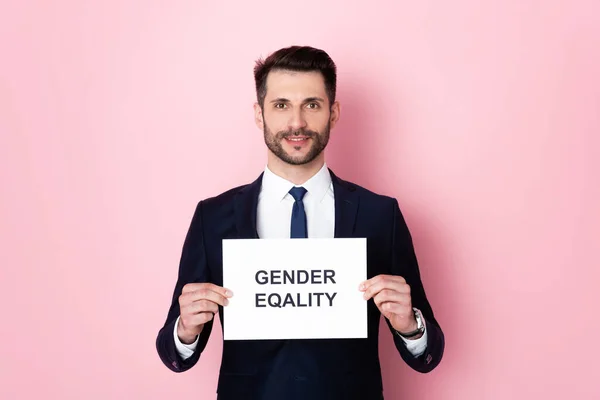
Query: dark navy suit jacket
(302, 369)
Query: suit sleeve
(404, 263)
(193, 268)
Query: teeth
(296, 140)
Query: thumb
(386, 314)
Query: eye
(313, 106)
(280, 106)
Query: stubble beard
(319, 143)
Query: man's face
(296, 117)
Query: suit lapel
(246, 202)
(346, 207)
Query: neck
(297, 174)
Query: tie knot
(298, 193)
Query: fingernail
(362, 286)
(228, 293)
(226, 302)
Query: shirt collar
(279, 187)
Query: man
(297, 195)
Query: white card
(294, 288)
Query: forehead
(295, 85)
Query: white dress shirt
(273, 220)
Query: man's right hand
(198, 304)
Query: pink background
(483, 120)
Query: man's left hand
(391, 295)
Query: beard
(319, 142)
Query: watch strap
(420, 326)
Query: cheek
(275, 123)
(317, 122)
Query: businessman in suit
(298, 196)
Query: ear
(258, 117)
(335, 114)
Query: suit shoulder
(369, 194)
(222, 198)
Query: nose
(297, 120)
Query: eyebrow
(307, 100)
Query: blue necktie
(298, 228)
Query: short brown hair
(296, 58)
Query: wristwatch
(420, 326)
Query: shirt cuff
(416, 346)
(185, 351)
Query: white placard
(294, 288)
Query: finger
(193, 287)
(206, 294)
(198, 319)
(401, 310)
(376, 279)
(390, 284)
(201, 306)
(387, 295)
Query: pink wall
(484, 120)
